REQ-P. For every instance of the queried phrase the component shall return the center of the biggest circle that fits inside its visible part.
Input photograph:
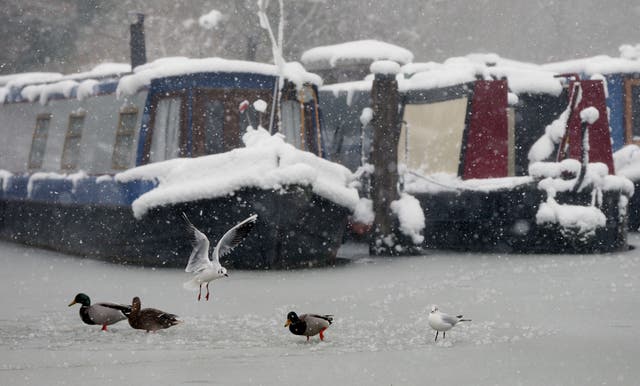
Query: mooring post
(386, 134)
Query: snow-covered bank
(536, 320)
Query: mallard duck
(440, 321)
(100, 313)
(150, 319)
(308, 324)
(207, 270)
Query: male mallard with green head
(150, 319)
(308, 324)
(100, 313)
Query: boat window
(213, 121)
(632, 111)
(291, 123)
(123, 148)
(431, 136)
(39, 142)
(165, 143)
(71, 150)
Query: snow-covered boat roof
(176, 66)
(267, 162)
(522, 77)
(354, 52)
(41, 86)
(601, 64)
(628, 62)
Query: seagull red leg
(200, 292)
(322, 333)
(207, 292)
(104, 327)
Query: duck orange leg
(322, 333)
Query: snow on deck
(536, 319)
(267, 162)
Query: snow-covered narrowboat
(622, 78)
(103, 164)
(490, 154)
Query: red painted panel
(599, 136)
(487, 140)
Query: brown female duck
(150, 319)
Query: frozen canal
(536, 320)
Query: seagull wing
(233, 237)
(452, 320)
(199, 258)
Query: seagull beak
(72, 303)
(287, 323)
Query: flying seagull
(205, 269)
(440, 321)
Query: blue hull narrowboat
(72, 143)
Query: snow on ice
(531, 313)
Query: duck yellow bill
(287, 323)
(72, 303)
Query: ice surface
(537, 319)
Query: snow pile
(544, 147)
(521, 77)
(44, 92)
(629, 51)
(411, 217)
(267, 162)
(415, 183)
(600, 64)
(5, 177)
(75, 178)
(589, 115)
(384, 67)
(563, 177)
(102, 70)
(174, 66)
(627, 162)
(363, 213)
(356, 51)
(582, 219)
(86, 88)
(211, 20)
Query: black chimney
(138, 49)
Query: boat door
(219, 123)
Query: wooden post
(384, 182)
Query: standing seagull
(100, 313)
(440, 321)
(207, 270)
